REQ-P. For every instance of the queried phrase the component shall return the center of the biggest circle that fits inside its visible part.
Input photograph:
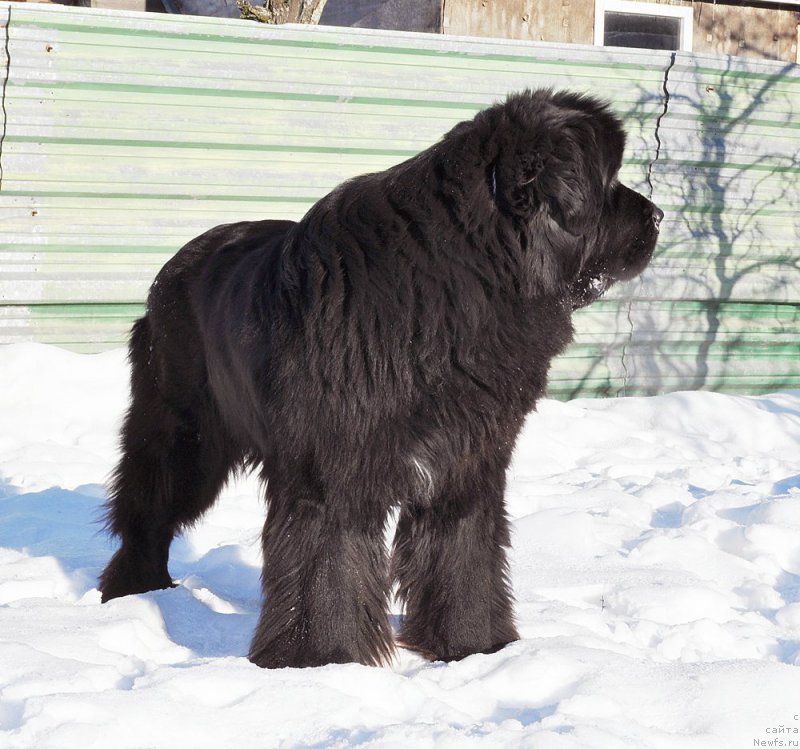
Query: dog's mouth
(596, 279)
(589, 288)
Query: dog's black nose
(658, 215)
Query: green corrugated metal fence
(124, 135)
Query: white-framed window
(624, 23)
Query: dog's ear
(549, 180)
(555, 171)
(572, 186)
(516, 173)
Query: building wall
(127, 134)
(746, 31)
(562, 21)
(719, 28)
(400, 15)
(736, 27)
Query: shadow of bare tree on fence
(719, 307)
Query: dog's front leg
(449, 560)
(325, 579)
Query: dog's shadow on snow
(214, 608)
(65, 525)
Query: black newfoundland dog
(380, 353)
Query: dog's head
(553, 161)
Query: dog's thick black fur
(380, 353)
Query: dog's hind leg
(175, 459)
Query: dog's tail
(140, 354)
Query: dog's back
(183, 300)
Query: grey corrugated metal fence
(124, 135)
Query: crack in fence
(665, 90)
(649, 178)
(5, 86)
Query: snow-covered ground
(656, 565)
